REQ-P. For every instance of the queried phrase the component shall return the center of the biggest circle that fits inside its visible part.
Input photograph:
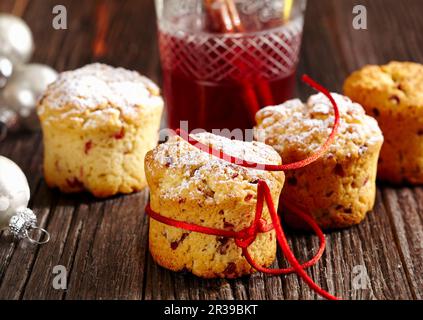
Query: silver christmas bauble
(14, 198)
(14, 191)
(25, 88)
(16, 41)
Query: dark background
(103, 243)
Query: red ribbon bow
(245, 237)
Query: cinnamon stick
(220, 18)
(225, 18)
(234, 15)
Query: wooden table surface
(103, 243)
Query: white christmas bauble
(14, 191)
(23, 90)
(16, 41)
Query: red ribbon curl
(244, 238)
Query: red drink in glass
(220, 80)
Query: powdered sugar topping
(303, 128)
(200, 173)
(99, 87)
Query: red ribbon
(244, 238)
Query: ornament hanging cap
(23, 222)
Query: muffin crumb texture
(190, 185)
(393, 94)
(98, 123)
(339, 188)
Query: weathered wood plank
(92, 250)
(104, 243)
(19, 257)
(332, 49)
(405, 214)
(109, 258)
(18, 279)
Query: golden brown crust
(98, 97)
(187, 184)
(97, 148)
(338, 192)
(338, 189)
(393, 93)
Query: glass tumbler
(223, 60)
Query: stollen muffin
(393, 94)
(189, 185)
(98, 123)
(338, 189)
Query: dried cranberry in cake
(120, 134)
(88, 146)
(74, 183)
